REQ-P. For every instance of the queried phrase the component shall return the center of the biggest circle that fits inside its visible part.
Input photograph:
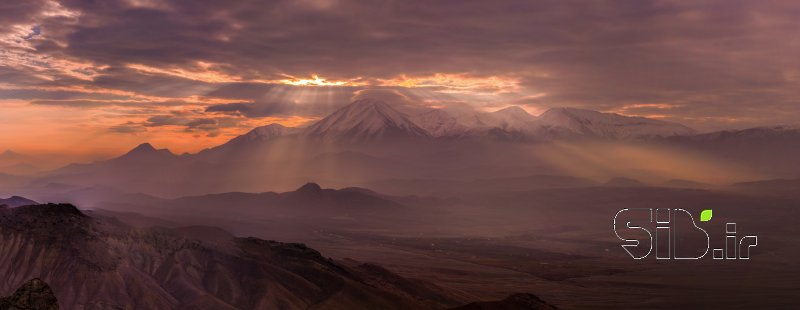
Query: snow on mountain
(513, 118)
(439, 123)
(373, 120)
(265, 133)
(253, 139)
(608, 125)
(455, 123)
(365, 120)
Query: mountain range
(368, 120)
(372, 141)
(18, 164)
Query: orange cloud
(456, 83)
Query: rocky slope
(96, 262)
(512, 302)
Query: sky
(94, 78)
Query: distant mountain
(680, 183)
(624, 182)
(97, 262)
(515, 124)
(771, 150)
(96, 196)
(308, 201)
(580, 122)
(455, 188)
(758, 136)
(142, 155)
(17, 164)
(144, 168)
(253, 141)
(16, 201)
(374, 121)
(369, 140)
(21, 169)
(10, 181)
(774, 187)
(365, 120)
(145, 152)
(9, 155)
(263, 134)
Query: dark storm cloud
(80, 103)
(276, 108)
(188, 122)
(150, 84)
(128, 128)
(166, 120)
(33, 94)
(15, 12)
(727, 59)
(242, 90)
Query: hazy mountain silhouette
(624, 182)
(608, 125)
(18, 164)
(16, 201)
(9, 155)
(770, 150)
(307, 202)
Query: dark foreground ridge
(513, 302)
(91, 260)
(33, 295)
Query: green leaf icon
(705, 216)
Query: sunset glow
(399, 154)
(109, 76)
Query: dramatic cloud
(709, 64)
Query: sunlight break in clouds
(456, 83)
(712, 65)
(315, 80)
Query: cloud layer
(219, 67)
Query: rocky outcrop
(33, 295)
(520, 301)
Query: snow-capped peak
(365, 119)
(514, 111)
(514, 118)
(268, 132)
